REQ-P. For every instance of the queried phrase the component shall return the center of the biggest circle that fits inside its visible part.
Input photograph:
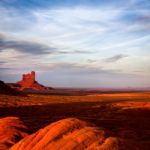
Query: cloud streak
(33, 47)
(95, 39)
(115, 58)
(25, 46)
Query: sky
(76, 43)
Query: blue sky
(82, 43)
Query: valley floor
(125, 115)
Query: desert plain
(98, 121)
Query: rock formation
(28, 82)
(11, 131)
(73, 134)
(5, 89)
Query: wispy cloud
(25, 46)
(33, 47)
(81, 36)
(115, 58)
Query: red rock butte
(28, 82)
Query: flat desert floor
(125, 115)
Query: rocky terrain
(11, 131)
(5, 89)
(66, 134)
(100, 122)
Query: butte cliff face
(28, 82)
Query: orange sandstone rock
(73, 134)
(11, 131)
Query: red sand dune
(73, 134)
(11, 131)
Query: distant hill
(5, 89)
